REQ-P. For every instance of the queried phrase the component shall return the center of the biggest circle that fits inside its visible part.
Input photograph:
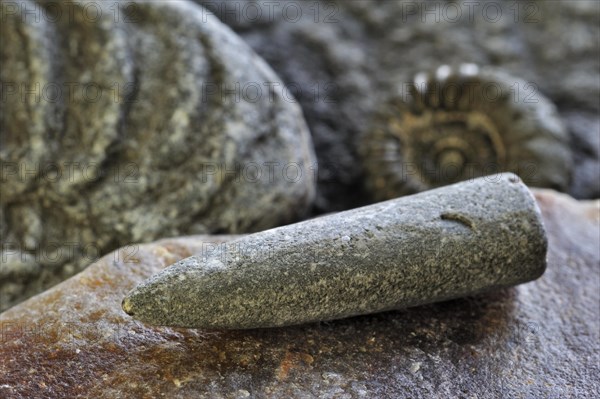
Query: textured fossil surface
(357, 54)
(125, 122)
(455, 124)
(414, 250)
(538, 340)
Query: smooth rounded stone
(346, 59)
(124, 122)
(455, 241)
(535, 340)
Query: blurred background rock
(342, 59)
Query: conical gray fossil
(460, 123)
(453, 241)
(122, 122)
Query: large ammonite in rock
(459, 123)
(124, 122)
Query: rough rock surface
(343, 59)
(536, 340)
(132, 121)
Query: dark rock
(356, 54)
(536, 340)
(128, 122)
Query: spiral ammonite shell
(460, 123)
(130, 121)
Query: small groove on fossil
(457, 217)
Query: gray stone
(357, 54)
(455, 241)
(142, 121)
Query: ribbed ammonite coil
(459, 123)
(124, 122)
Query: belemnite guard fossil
(445, 243)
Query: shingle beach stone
(537, 340)
(125, 122)
(446, 243)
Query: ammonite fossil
(460, 123)
(339, 55)
(124, 122)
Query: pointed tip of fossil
(154, 300)
(127, 306)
